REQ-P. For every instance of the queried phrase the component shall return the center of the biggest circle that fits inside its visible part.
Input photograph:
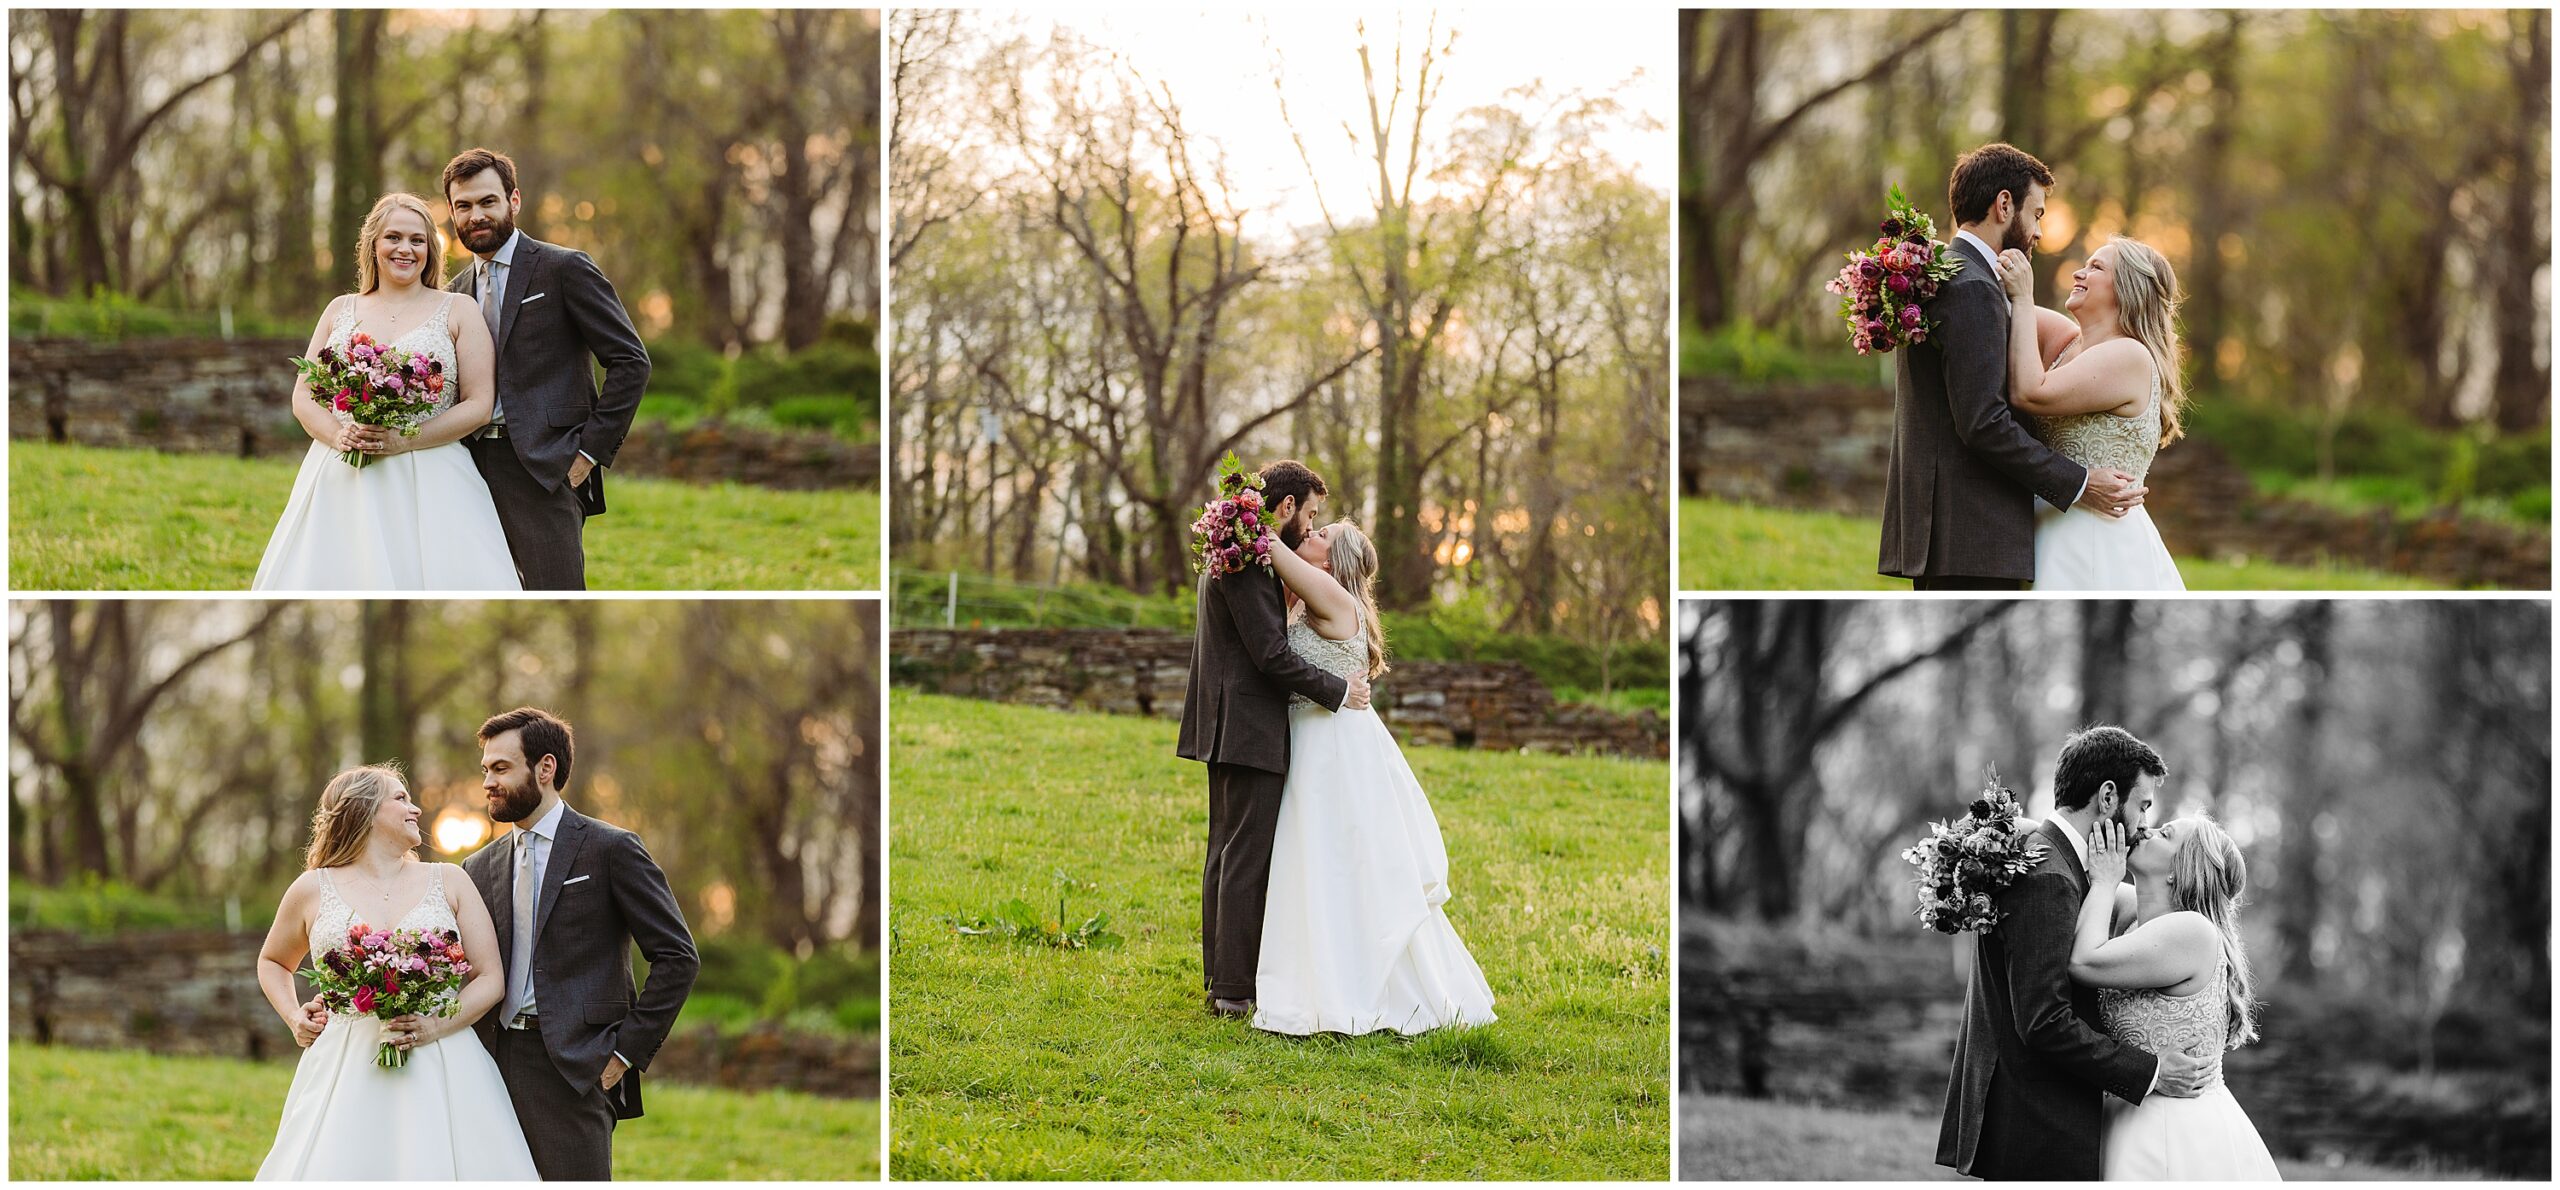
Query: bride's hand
(2108, 847)
(2017, 274)
(308, 1023)
(411, 1031)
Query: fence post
(951, 603)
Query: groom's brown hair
(543, 734)
(472, 161)
(1982, 174)
(1289, 477)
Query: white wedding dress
(1353, 936)
(417, 521)
(445, 1117)
(2079, 550)
(2164, 1139)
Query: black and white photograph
(2137, 891)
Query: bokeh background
(190, 183)
(2355, 204)
(2385, 767)
(166, 759)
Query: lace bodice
(329, 926)
(434, 338)
(2161, 1023)
(1341, 658)
(2103, 439)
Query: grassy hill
(1725, 546)
(1021, 1061)
(91, 519)
(96, 1115)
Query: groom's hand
(2183, 1075)
(2111, 493)
(579, 470)
(1356, 697)
(613, 1071)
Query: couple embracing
(2105, 995)
(2022, 436)
(493, 489)
(1321, 902)
(542, 1056)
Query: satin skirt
(445, 1117)
(1354, 937)
(2204, 1139)
(2079, 550)
(421, 521)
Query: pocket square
(573, 880)
(535, 298)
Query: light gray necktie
(493, 291)
(520, 961)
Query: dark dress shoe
(1231, 1007)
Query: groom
(1235, 718)
(1961, 486)
(571, 896)
(553, 433)
(2027, 1094)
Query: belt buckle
(524, 1021)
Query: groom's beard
(2016, 237)
(514, 802)
(488, 237)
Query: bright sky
(1220, 65)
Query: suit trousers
(546, 527)
(570, 1133)
(1963, 582)
(1244, 817)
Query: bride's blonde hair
(2207, 876)
(1354, 563)
(2147, 301)
(366, 279)
(345, 816)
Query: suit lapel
(497, 884)
(2055, 837)
(564, 851)
(1975, 261)
(519, 279)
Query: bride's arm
(488, 983)
(1328, 605)
(474, 356)
(323, 426)
(2100, 380)
(287, 941)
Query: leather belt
(523, 1021)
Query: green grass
(124, 1116)
(1729, 1139)
(91, 519)
(1011, 1061)
(1726, 546)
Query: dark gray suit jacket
(2025, 1100)
(601, 893)
(559, 313)
(1235, 709)
(1960, 489)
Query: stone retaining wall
(218, 396)
(1493, 705)
(1824, 446)
(196, 992)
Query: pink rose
(364, 999)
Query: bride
(2172, 975)
(443, 1117)
(419, 517)
(1353, 936)
(2102, 384)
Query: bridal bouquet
(1229, 534)
(374, 385)
(1881, 288)
(390, 973)
(1962, 863)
